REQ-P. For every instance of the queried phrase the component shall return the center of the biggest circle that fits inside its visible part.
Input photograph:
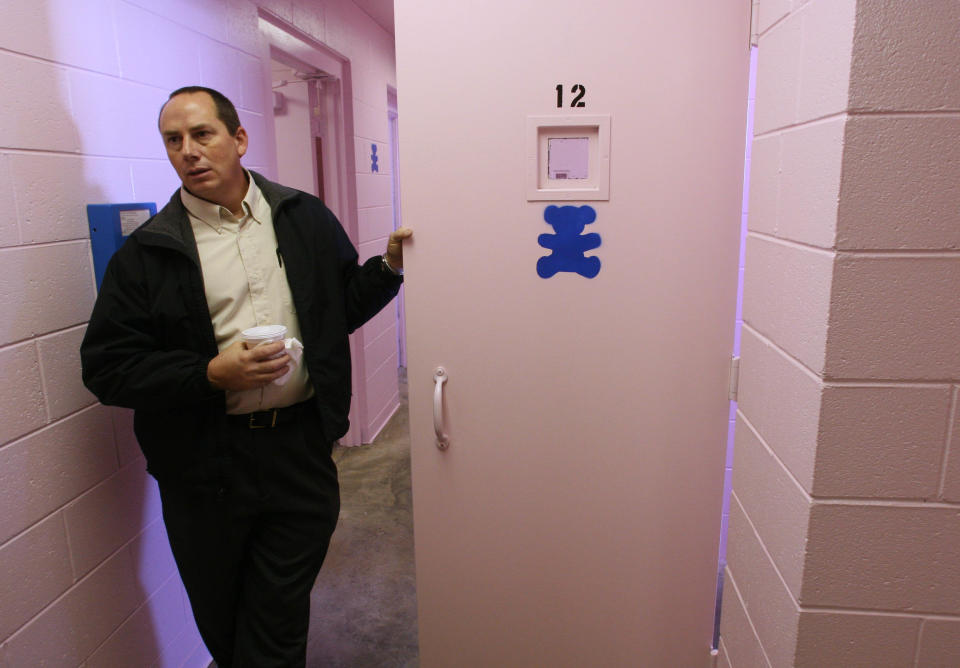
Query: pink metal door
(574, 519)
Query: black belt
(267, 419)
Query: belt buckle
(273, 421)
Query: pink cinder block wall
(845, 513)
(85, 571)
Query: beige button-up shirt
(246, 286)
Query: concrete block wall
(845, 519)
(85, 569)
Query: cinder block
(383, 319)
(344, 24)
(371, 248)
(9, 220)
(881, 442)
(24, 410)
(740, 645)
(777, 507)
(127, 447)
(825, 58)
(53, 191)
(46, 287)
(127, 127)
(209, 18)
(185, 651)
(384, 54)
(254, 84)
(891, 558)
(169, 59)
(810, 169)
(42, 119)
(370, 122)
(379, 421)
(60, 366)
(140, 638)
(199, 657)
(765, 184)
(65, 32)
(855, 641)
(373, 190)
(782, 402)
(45, 470)
(899, 178)
(951, 487)
(382, 385)
(219, 70)
(786, 297)
(380, 346)
(152, 558)
(768, 604)
(68, 631)
(36, 571)
(154, 181)
(110, 515)
(375, 223)
(894, 318)
(778, 76)
(370, 81)
(364, 156)
(309, 17)
(905, 56)
(256, 128)
(771, 11)
(939, 644)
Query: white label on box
(132, 219)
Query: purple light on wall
(738, 326)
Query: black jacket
(150, 336)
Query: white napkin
(295, 349)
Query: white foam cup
(254, 336)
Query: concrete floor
(363, 606)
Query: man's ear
(241, 139)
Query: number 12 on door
(577, 90)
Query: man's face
(202, 150)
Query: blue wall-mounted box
(110, 225)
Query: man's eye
(173, 140)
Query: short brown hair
(226, 112)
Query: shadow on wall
(87, 573)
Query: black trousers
(249, 540)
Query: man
(248, 487)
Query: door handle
(439, 378)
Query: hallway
(364, 607)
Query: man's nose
(189, 148)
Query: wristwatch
(386, 266)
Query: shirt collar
(215, 215)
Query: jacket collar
(170, 228)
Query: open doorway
(298, 128)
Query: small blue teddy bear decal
(568, 244)
(374, 167)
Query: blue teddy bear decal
(374, 159)
(569, 244)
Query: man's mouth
(198, 171)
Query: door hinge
(734, 388)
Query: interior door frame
(335, 127)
